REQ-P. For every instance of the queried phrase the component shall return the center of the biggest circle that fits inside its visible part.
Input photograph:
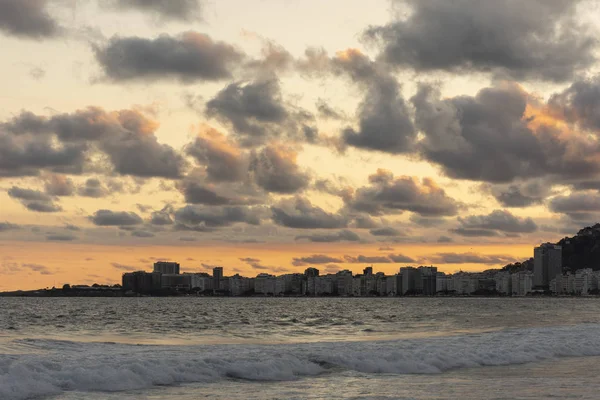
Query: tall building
(428, 280)
(547, 264)
(311, 272)
(166, 267)
(368, 271)
(217, 277)
(411, 280)
(141, 282)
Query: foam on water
(52, 367)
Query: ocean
(299, 348)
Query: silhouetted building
(166, 267)
(217, 277)
(428, 280)
(141, 282)
(311, 272)
(368, 271)
(547, 264)
(411, 280)
(176, 282)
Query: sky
(268, 136)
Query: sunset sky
(273, 135)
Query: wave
(53, 367)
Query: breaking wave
(50, 367)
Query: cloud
(499, 220)
(115, 218)
(58, 185)
(577, 205)
(388, 231)
(61, 237)
(341, 236)
(7, 226)
(445, 239)
(392, 258)
(202, 218)
(197, 190)
(221, 157)
(387, 194)
(142, 234)
(579, 104)
(177, 10)
(188, 57)
(72, 227)
(519, 195)
(93, 188)
(34, 200)
(250, 260)
(500, 135)
(42, 269)
(474, 232)
(124, 267)
(299, 213)
(470, 258)
(384, 122)
(545, 40)
(27, 19)
(162, 217)
(315, 259)
(327, 112)
(276, 170)
(257, 112)
(65, 143)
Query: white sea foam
(53, 367)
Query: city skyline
(227, 133)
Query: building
(584, 281)
(344, 283)
(217, 277)
(311, 272)
(176, 282)
(547, 264)
(503, 282)
(441, 282)
(522, 283)
(141, 282)
(166, 267)
(411, 280)
(265, 284)
(289, 284)
(428, 280)
(200, 281)
(239, 285)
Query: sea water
(299, 348)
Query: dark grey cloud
(42, 269)
(545, 39)
(499, 220)
(384, 121)
(7, 226)
(57, 237)
(63, 142)
(387, 194)
(250, 260)
(27, 19)
(493, 138)
(115, 218)
(387, 231)
(366, 222)
(470, 258)
(34, 200)
(257, 112)
(579, 206)
(188, 57)
(276, 170)
(93, 188)
(201, 218)
(301, 214)
(142, 234)
(328, 112)
(519, 195)
(392, 258)
(579, 104)
(342, 236)
(427, 222)
(445, 239)
(162, 217)
(178, 10)
(315, 259)
(467, 232)
(123, 267)
(72, 227)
